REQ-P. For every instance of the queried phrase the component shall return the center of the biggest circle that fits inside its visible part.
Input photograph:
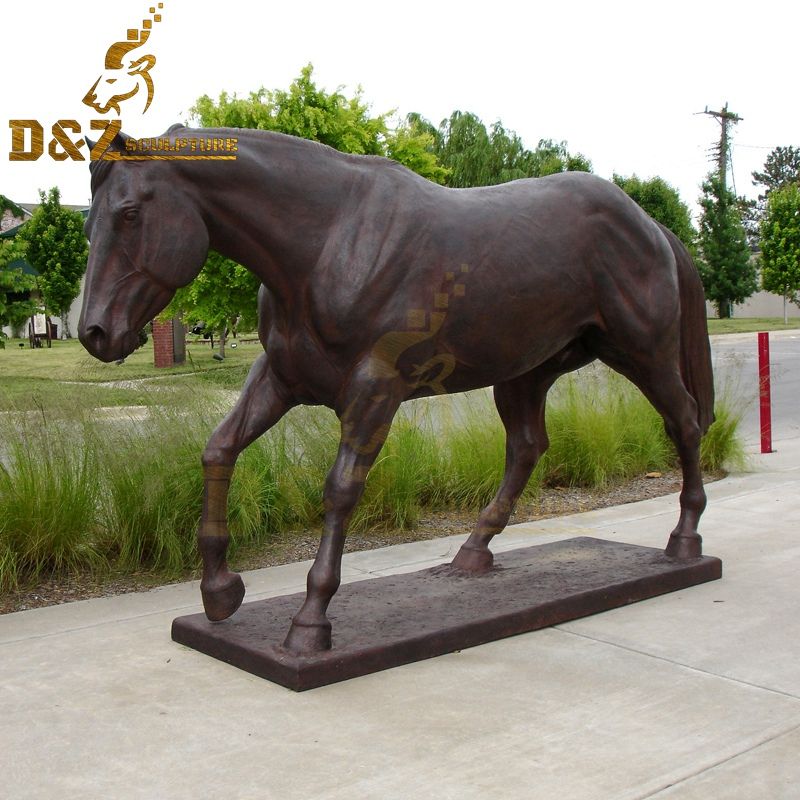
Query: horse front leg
(261, 404)
(364, 425)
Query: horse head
(147, 239)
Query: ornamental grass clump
(91, 490)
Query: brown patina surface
(380, 286)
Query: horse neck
(273, 208)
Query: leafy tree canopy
(56, 246)
(728, 273)
(780, 243)
(663, 203)
(15, 286)
(477, 156)
(224, 295)
(305, 110)
(781, 168)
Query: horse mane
(260, 134)
(253, 136)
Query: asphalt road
(736, 373)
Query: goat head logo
(124, 72)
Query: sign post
(764, 393)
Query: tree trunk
(66, 333)
(223, 335)
(785, 312)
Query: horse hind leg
(680, 419)
(660, 381)
(259, 407)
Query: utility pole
(733, 263)
(725, 118)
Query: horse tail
(696, 370)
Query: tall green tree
(15, 287)
(344, 123)
(475, 155)
(551, 157)
(782, 167)
(780, 244)
(303, 110)
(729, 274)
(57, 247)
(222, 297)
(464, 147)
(663, 203)
(413, 146)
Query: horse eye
(111, 80)
(131, 214)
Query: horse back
(482, 284)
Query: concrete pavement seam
(676, 663)
(116, 620)
(717, 764)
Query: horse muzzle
(104, 346)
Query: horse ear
(118, 142)
(91, 145)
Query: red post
(764, 393)
(163, 346)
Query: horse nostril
(93, 338)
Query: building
(12, 217)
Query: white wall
(761, 304)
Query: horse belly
(507, 331)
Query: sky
(622, 82)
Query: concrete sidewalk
(695, 694)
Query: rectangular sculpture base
(387, 621)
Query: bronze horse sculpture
(380, 286)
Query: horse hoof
(684, 547)
(470, 559)
(307, 639)
(220, 600)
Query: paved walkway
(695, 694)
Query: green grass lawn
(751, 325)
(67, 360)
(27, 374)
